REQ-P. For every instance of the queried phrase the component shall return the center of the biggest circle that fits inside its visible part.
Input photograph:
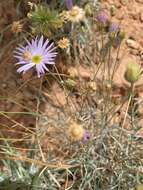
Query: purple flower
(102, 17)
(86, 136)
(36, 53)
(113, 27)
(69, 4)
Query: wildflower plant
(64, 19)
(36, 53)
(94, 150)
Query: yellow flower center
(74, 12)
(36, 59)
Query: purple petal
(18, 57)
(40, 43)
(21, 63)
(50, 62)
(51, 55)
(50, 51)
(86, 136)
(29, 44)
(20, 49)
(45, 44)
(25, 68)
(102, 17)
(45, 67)
(113, 27)
(18, 53)
(49, 47)
(69, 4)
(40, 69)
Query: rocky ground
(129, 13)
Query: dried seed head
(92, 85)
(64, 16)
(31, 5)
(70, 83)
(16, 27)
(63, 43)
(29, 15)
(76, 131)
(75, 14)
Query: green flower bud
(112, 36)
(70, 83)
(88, 9)
(132, 72)
(118, 38)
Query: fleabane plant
(37, 53)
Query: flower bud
(92, 85)
(88, 9)
(117, 38)
(69, 4)
(76, 131)
(102, 17)
(16, 27)
(29, 15)
(114, 27)
(132, 72)
(70, 83)
(86, 136)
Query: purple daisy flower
(102, 17)
(36, 53)
(113, 27)
(69, 4)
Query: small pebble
(132, 44)
(141, 17)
